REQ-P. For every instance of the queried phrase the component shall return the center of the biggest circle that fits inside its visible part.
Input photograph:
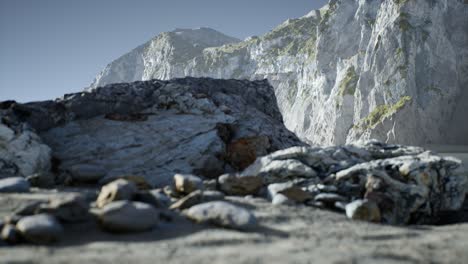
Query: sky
(52, 47)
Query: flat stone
(233, 184)
(363, 210)
(14, 185)
(223, 214)
(125, 216)
(87, 172)
(156, 198)
(40, 229)
(187, 183)
(117, 190)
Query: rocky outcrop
(400, 185)
(390, 70)
(151, 129)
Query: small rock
(222, 214)
(117, 190)
(281, 199)
(10, 234)
(330, 198)
(87, 172)
(40, 229)
(186, 183)
(11, 219)
(364, 210)
(233, 184)
(188, 201)
(14, 185)
(71, 208)
(125, 216)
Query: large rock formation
(394, 70)
(152, 129)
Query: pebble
(125, 216)
(40, 229)
(222, 214)
(14, 185)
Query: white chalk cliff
(394, 70)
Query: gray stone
(14, 185)
(40, 229)
(117, 190)
(125, 216)
(234, 184)
(186, 183)
(87, 172)
(222, 214)
(364, 210)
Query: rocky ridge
(390, 70)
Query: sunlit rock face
(393, 70)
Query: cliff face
(394, 70)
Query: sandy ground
(287, 235)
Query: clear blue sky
(52, 47)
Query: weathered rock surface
(363, 210)
(391, 70)
(222, 214)
(152, 129)
(14, 184)
(40, 229)
(125, 216)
